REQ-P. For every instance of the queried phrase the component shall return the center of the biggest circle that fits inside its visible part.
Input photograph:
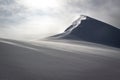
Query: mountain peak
(89, 29)
(76, 23)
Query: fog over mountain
(49, 40)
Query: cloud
(10, 12)
(22, 21)
(105, 10)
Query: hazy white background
(35, 19)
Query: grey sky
(41, 18)
(105, 10)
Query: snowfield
(58, 60)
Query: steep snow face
(76, 23)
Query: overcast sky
(34, 19)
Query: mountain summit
(89, 29)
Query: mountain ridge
(91, 30)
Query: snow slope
(57, 60)
(89, 29)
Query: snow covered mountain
(89, 29)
